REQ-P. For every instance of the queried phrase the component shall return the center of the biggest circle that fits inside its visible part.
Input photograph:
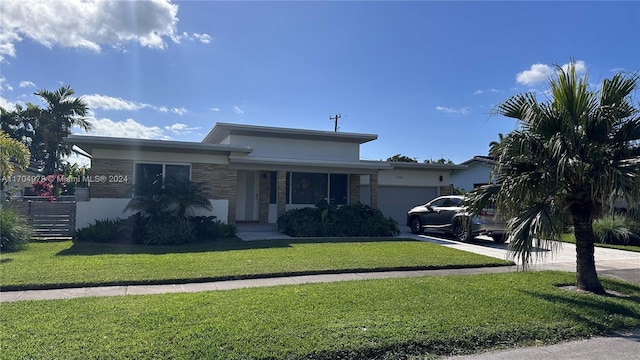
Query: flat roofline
(221, 130)
(88, 143)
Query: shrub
(174, 231)
(101, 231)
(326, 220)
(209, 228)
(618, 230)
(15, 234)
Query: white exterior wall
(98, 209)
(475, 173)
(298, 149)
(155, 156)
(403, 177)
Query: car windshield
(446, 202)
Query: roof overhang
(423, 166)
(222, 130)
(89, 143)
(283, 164)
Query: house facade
(476, 172)
(257, 173)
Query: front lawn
(390, 318)
(64, 264)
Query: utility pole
(335, 121)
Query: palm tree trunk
(587, 278)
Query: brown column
(374, 190)
(263, 207)
(354, 189)
(282, 192)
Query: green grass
(383, 319)
(570, 238)
(64, 264)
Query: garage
(395, 201)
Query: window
(150, 174)
(309, 188)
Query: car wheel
(499, 239)
(416, 225)
(461, 232)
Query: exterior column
(263, 206)
(374, 190)
(354, 189)
(282, 192)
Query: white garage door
(395, 201)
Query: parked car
(448, 214)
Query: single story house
(256, 173)
(476, 172)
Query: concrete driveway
(623, 265)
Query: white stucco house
(475, 172)
(256, 173)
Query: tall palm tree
(568, 156)
(63, 111)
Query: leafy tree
(496, 147)
(401, 158)
(11, 151)
(439, 161)
(568, 156)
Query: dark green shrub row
(15, 233)
(326, 220)
(104, 231)
(161, 231)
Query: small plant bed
(374, 319)
(570, 238)
(66, 264)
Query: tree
(63, 111)
(496, 147)
(568, 156)
(442, 161)
(11, 151)
(401, 158)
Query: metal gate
(51, 220)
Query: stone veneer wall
(221, 182)
(282, 192)
(445, 190)
(265, 194)
(374, 190)
(111, 174)
(354, 189)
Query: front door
(248, 196)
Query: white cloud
(238, 110)
(448, 110)
(128, 129)
(538, 73)
(215, 109)
(482, 91)
(180, 111)
(24, 84)
(179, 128)
(88, 24)
(6, 104)
(96, 101)
(163, 109)
(203, 38)
(4, 86)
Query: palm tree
(568, 156)
(63, 111)
(185, 195)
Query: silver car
(449, 215)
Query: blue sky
(424, 76)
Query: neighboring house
(256, 173)
(476, 172)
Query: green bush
(326, 220)
(209, 228)
(617, 230)
(15, 234)
(106, 230)
(174, 231)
